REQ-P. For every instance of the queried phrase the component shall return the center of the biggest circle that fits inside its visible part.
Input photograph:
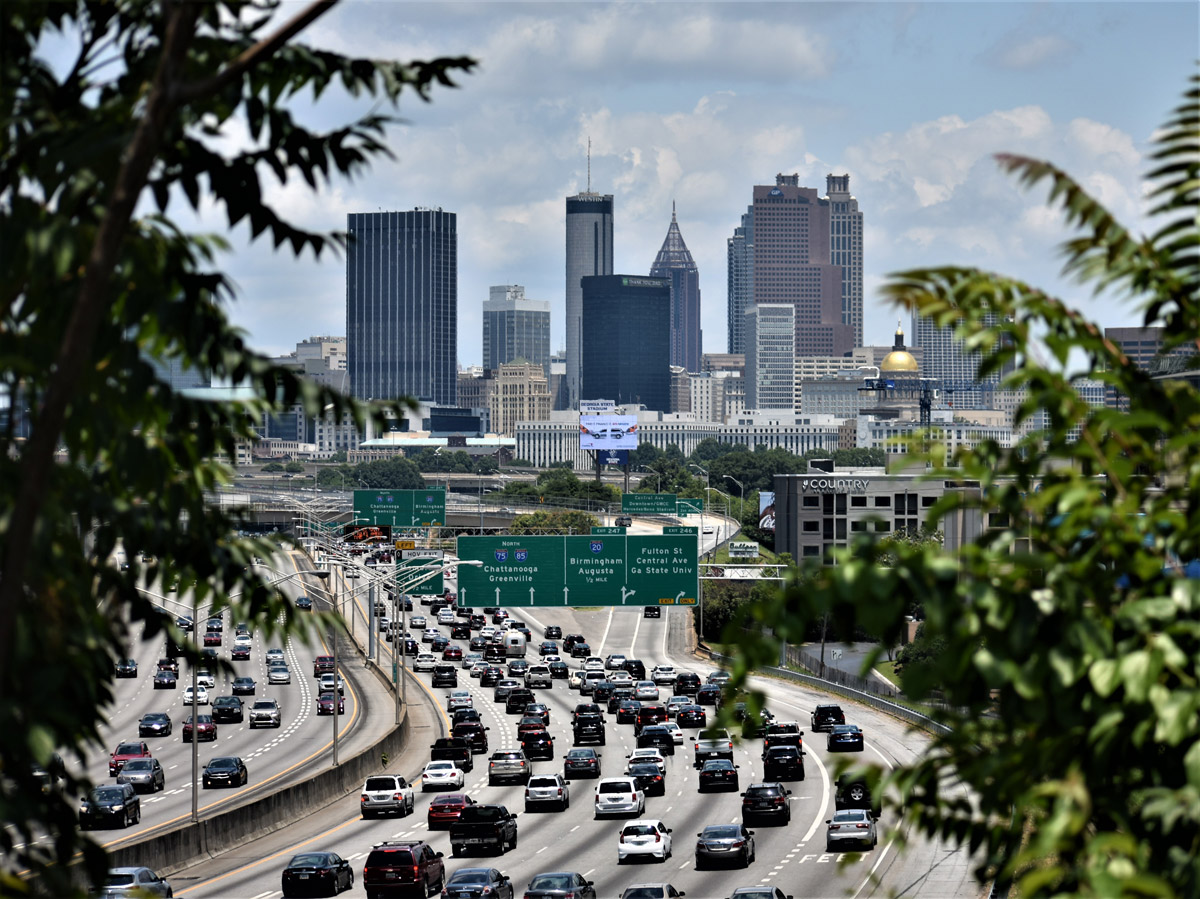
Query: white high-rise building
(846, 249)
(770, 356)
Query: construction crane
(924, 390)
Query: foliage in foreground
(1085, 641)
(144, 118)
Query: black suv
(783, 763)
(636, 668)
(826, 716)
(580, 651)
(588, 728)
(782, 733)
(452, 749)
(227, 708)
(445, 676)
(473, 732)
(687, 684)
(853, 791)
(552, 632)
(398, 868)
(517, 699)
(766, 800)
(658, 736)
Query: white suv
(424, 662)
(619, 796)
(538, 676)
(385, 793)
(663, 674)
(548, 789)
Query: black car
(476, 883)
(847, 737)
(303, 601)
(126, 667)
(766, 800)
(477, 644)
(559, 670)
(580, 651)
(184, 622)
(560, 884)
(581, 763)
(627, 711)
(588, 728)
(155, 724)
(826, 716)
(445, 676)
(652, 612)
(691, 716)
(552, 632)
(548, 648)
(709, 694)
(491, 676)
(225, 771)
(243, 686)
(474, 733)
(461, 632)
(165, 680)
(538, 745)
(783, 763)
(439, 643)
(110, 804)
(570, 640)
(395, 867)
(539, 710)
(719, 774)
(317, 873)
(517, 699)
(636, 668)
(649, 779)
(227, 708)
(724, 842)
(619, 695)
(657, 736)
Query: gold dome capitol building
(899, 360)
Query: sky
(695, 103)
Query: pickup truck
(483, 827)
(712, 745)
(453, 749)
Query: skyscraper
(589, 253)
(770, 356)
(957, 371)
(674, 263)
(515, 328)
(845, 249)
(626, 326)
(739, 255)
(402, 305)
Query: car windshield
(155, 717)
(543, 782)
(849, 815)
(722, 831)
(551, 882)
(615, 786)
(129, 749)
(108, 794)
(438, 766)
(718, 765)
(139, 765)
(222, 765)
(579, 753)
(469, 876)
(764, 791)
(307, 860)
(119, 880)
(643, 893)
(450, 799)
(264, 704)
(640, 830)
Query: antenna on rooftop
(589, 189)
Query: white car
(243, 640)
(470, 659)
(676, 731)
(206, 678)
(384, 624)
(477, 668)
(327, 683)
(614, 662)
(201, 695)
(538, 676)
(645, 691)
(275, 654)
(424, 662)
(675, 703)
(445, 616)
(663, 674)
(429, 633)
(649, 755)
(618, 796)
(417, 622)
(621, 678)
(487, 632)
(384, 793)
(593, 663)
(646, 836)
(459, 699)
(441, 775)
(575, 680)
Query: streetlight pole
(741, 493)
(705, 501)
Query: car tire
(456, 850)
(700, 864)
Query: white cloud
(1023, 51)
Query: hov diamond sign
(584, 570)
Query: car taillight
(363, 798)
(781, 800)
(416, 871)
(657, 837)
(861, 826)
(738, 843)
(622, 840)
(560, 791)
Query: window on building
(810, 551)
(840, 528)
(858, 501)
(857, 526)
(998, 520)
(883, 502)
(812, 502)
(827, 528)
(812, 527)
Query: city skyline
(910, 101)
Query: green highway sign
(402, 508)
(612, 532)
(688, 505)
(585, 570)
(648, 503)
(411, 559)
(681, 529)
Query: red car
(208, 730)
(123, 753)
(212, 638)
(452, 654)
(325, 704)
(240, 653)
(446, 808)
(322, 665)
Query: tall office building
(589, 253)
(791, 265)
(627, 327)
(846, 249)
(770, 356)
(674, 263)
(739, 256)
(942, 357)
(402, 305)
(515, 328)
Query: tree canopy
(1069, 639)
(101, 289)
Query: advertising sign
(402, 508)
(613, 457)
(583, 570)
(766, 511)
(648, 503)
(743, 550)
(596, 407)
(361, 533)
(608, 432)
(411, 561)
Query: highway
(791, 857)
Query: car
(663, 675)
(212, 638)
(687, 683)
(244, 686)
(570, 640)
(444, 676)
(651, 781)
(691, 715)
(853, 826)
(618, 796)
(132, 880)
(552, 632)
(707, 529)
(759, 892)
(538, 676)
(650, 756)
(766, 800)
(265, 713)
(304, 602)
(275, 654)
(588, 728)
(201, 695)
(560, 885)
(425, 661)
(144, 775)
(205, 677)
(719, 774)
(724, 843)
(645, 691)
(278, 674)
(508, 765)
(581, 763)
(636, 669)
(503, 687)
(325, 703)
(719, 678)
(652, 612)
(517, 668)
(154, 724)
(327, 682)
(442, 774)
(110, 804)
(712, 744)
(651, 891)
(385, 794)
(580, 651)
(491, 676)
(647, 715)
(417, 622)
(471, 660)
(126, 668)
(165, 680)
(547, 789)
(429, 634)
(709, 694)
(658, 738)
(452, 654)
(614, 662)
(848, 737)
(784, 763)
(538, 745)
(446, 808)
(539, 710)
(184, 623)
(559, 670)
(782, 733)
(826, 716)
(593, 663)
(645, 837)
(396, 868)
(228, 771)
(459, 699)
(627, 711)
(474, 732)
(240, 653)
(478, 883)
(204, 729)
(323, 873)
(439, 644)
(602, 690)
(124, 752)
(228, 708)
(675, 702)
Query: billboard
(375, 533)
(614, 457)
(608, 432)
(743, 550)
(766, 511)
(597, 407)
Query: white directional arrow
(625, 595)
(462, 596)
(566, 592)
(680, 596)
(497, 596)
(531, 596)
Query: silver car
(132, 881)
(547, 789)
(645, 691)
(327, 681)
(265, 713)
(144, 775)
(279, 674)
(853, 826)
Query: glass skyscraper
(627, 338)
(675, 263)
(589, 252)
(515, 328)
(402, 305)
